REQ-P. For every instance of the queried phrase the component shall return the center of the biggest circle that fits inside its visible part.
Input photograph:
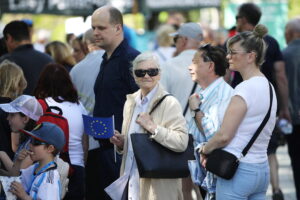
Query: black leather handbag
(156, 161)
(225, 164)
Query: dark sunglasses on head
(207, 55)
(150, 72)
(36, 142)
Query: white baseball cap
(26, 104)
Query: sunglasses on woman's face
(141, 72)
(36, 142)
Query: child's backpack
(55, 118)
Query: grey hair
(146, 56)
(294, 24)
(88, 36)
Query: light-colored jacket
(172, 134)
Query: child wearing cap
(41, 180)
(23, 113)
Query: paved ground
(285, 175)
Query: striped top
(215, 99)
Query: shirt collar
(118, 51)
(210, 88)
(147, 98)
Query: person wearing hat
(41, 180)
(23, 112)
(175, 76)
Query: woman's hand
(203, 157)
(194, 101)
(17, 189)
(145, 121)
(117, 139)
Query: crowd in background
(220, 94)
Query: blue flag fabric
(99, 127)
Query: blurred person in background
(69, 38)
(3, 49)
(21, 52)
(291, 56)
(42, 38)
(165, 49)
(12, 83)
(56, 88)
(83, 76)
(61, 53)
(176, 19)
(79, 49)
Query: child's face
(16, 121)
(40, 150)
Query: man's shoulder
(131, 53)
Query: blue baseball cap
(49, 133)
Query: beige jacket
(172, 134)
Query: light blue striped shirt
(215, 99)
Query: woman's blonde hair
(163, 37)
(252, 41)
(12, 80)
(60, 53)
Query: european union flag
(99, 127)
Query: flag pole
(115, 147)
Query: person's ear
(119, 28)
(51, 148)
(26, 119)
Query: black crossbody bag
(225, 164)
(156, 161)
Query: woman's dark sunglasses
(141, 72)
(36, 142)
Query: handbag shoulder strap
(187, 103)
(157, 104)
(262, 125)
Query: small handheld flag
(99, 127)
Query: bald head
(107, 24)
(115, 16)
(292, 29)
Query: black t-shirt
(273, 55)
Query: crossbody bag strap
(187, 103)
(262, 125)
(156, 105)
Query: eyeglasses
(207, 55)
(141, 72)
(237, 17)
(36, 142)
(234, 52)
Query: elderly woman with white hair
(166, 125)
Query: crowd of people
(220, 94)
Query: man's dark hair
(216, 55)
(18, 30)
(251, 12)
(115, 16)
